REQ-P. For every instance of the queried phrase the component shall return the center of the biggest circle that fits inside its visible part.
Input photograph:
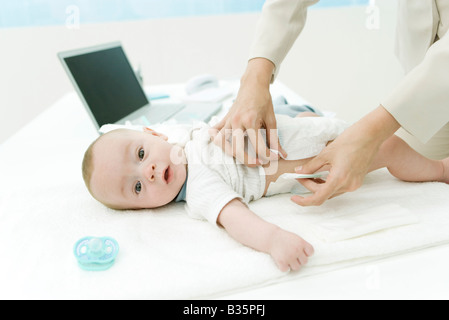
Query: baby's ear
(154, 133)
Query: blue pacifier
(96, 254)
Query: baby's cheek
(160, 196)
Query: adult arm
(420, 101)
(419, 104)
(280, 24)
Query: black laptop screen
(108, 84)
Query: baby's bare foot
(445, 170)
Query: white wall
(340, 65)
(337, 64)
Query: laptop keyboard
(160, 112)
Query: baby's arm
(287, 249)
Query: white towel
(364, 222)
(166, 255)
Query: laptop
(112, 94)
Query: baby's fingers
(283, 266)
(303, 258)
(295, 264)
(308, 250)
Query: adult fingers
(313, 165)
(238, 143)
(273, 141)
(232, 142)
(311, 184)
(260, 147)
(322, 193)
(220, 138)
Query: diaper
(303, 138)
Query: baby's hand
(289, 251)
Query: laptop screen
(108, 84)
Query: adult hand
(251, 112)
(348, 158)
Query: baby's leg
(445, 163)
(275, 169)
(406, 164)
(307, 115)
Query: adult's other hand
(348, 158)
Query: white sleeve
(420, 102)
(207, 194)
(280, 24)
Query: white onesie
(215, 179)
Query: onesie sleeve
(280, 24)
(420, 102)
(207, 194)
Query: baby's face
(136, 170)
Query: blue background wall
(28, 13)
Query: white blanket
(45, 209)
(165, 254)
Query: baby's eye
(141, 154)
(138, 187)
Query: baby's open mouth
(168, 174)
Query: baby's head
(128, 169)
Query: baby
(128, 169)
